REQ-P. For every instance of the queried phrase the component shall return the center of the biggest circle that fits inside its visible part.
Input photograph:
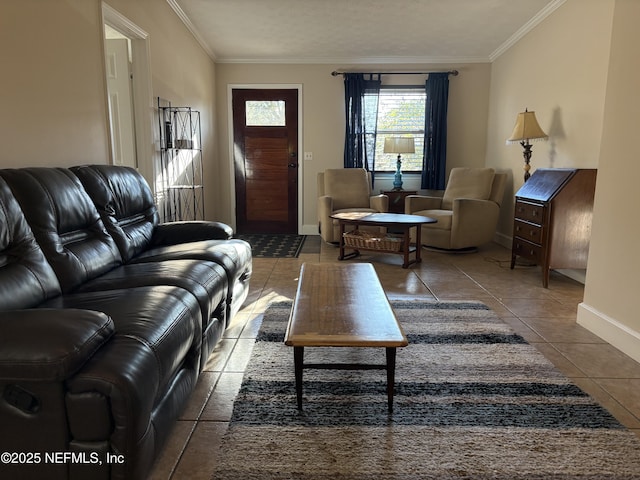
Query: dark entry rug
(473, 401)
(269, 245)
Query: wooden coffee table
(342, 306)
(398, 221)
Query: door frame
(143, 107)
(230, 158)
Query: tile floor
(545, 317)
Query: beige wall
(52, 90)
(323, 119)
(609, 308)
(52, 84)
(559, 70)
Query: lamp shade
(399, 145)
(526, 128)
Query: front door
(265, 138)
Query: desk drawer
(527, 250)
(531, 212)
(528, 231)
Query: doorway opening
(129, 96)
(118, 64)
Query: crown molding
(191, 27)
(526, 28)
(356, 60)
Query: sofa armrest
(49, 344)
(191, 231)
(475, 219)
(416, 203)
(379, 203)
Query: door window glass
(265, 113)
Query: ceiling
(359, 31)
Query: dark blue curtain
(361, 107)
(434, 164)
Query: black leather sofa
(107, 317)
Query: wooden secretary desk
(552, 220)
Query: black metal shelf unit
(179, 181)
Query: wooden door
(265, 137)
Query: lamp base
(527, 157)
(397, 178)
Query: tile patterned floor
(545, 317)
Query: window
(265, 113)
(400, 113)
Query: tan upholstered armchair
(467, 213)
(345, 190)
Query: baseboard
(610, 330)
(309, 230)
(505, 240)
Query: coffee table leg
(418, 243)
(407, 247)
(391, 375)
(298, 360)
(341, 242)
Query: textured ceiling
(359, 31)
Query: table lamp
(399, 145)
(526, 129)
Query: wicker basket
(359, 239)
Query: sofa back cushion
(26, 279)
(474, 183)
(348, 187)
(65, 223)
(125, 203)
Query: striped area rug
(473, 401)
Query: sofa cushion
(468, 183)
(124, 200)
(206, 281)
(444, 218)
(26, 277)
(232, 255)
(164, 319)
(65, 223)
(348, 187)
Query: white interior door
(121, 117)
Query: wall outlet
(308, 156)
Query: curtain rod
(335, 73)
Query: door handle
(293, 165)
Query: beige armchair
(467, 213)
(345, 190)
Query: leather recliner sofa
(107, 317)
